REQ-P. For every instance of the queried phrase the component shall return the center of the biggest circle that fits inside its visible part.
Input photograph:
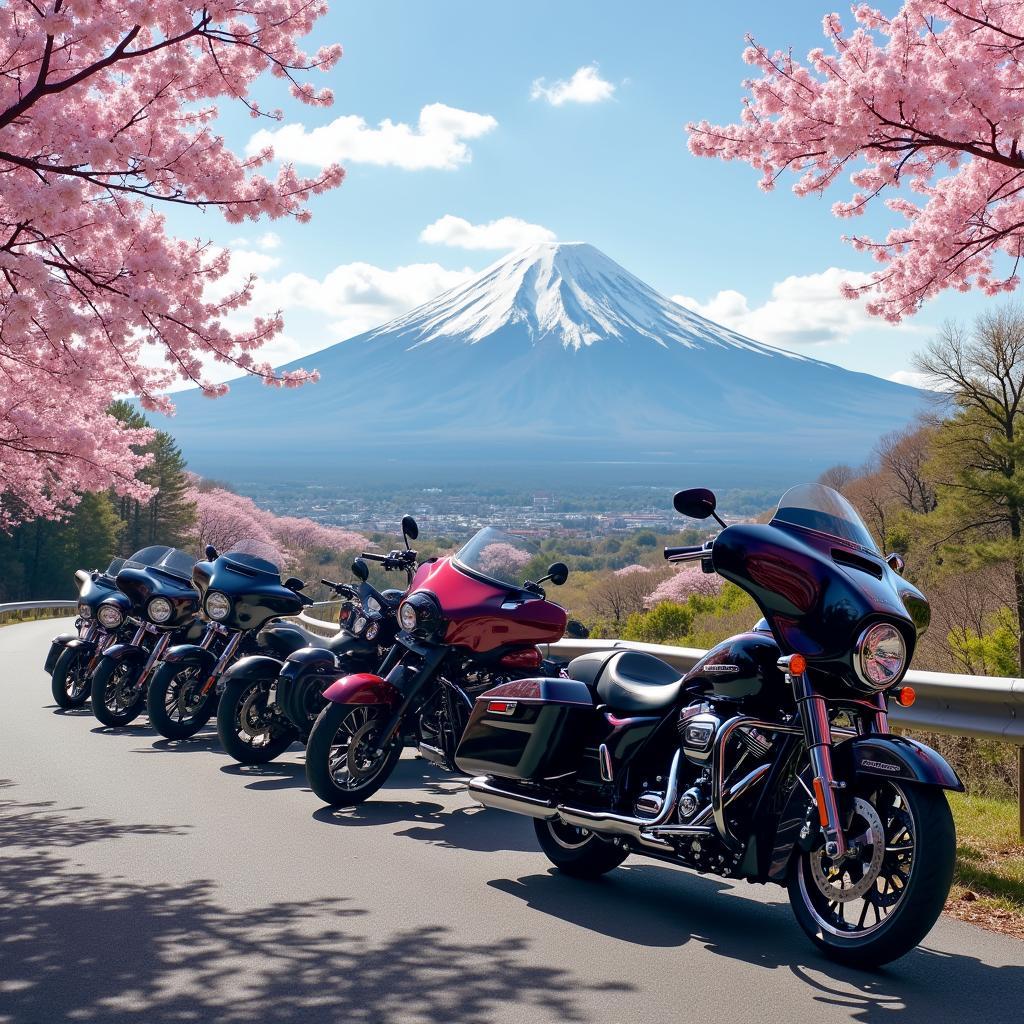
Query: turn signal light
(905, 696)
(797, 665)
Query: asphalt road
(161, 883)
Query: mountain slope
(552, 364)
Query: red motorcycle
(467, 623)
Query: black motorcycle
(241, 593)
(155, 594)
(268, 703)
(770, 760)
(73, 656)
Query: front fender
(251, 669)
(60, 643)
(127, 652)
(363, 688)
(190, 654)
(894, 757)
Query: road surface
(160, 883)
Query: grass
(988, 886)
(29, 615)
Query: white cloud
(503, 233)
(585, 86)
(913, 379)
(438, 141)
(803, 309)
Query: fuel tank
(742, 668)
(483, 615)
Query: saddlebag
(527, 729)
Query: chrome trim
(482, 790)
(605, 758)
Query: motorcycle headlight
(372, 630)
(159, 609)
(881, 656)
(359, 625)
(407, 617)
(84, 610)
(218, 605)
(110, 616)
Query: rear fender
(190, 654)
(364, 688)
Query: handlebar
(689, 554)
(374, 558)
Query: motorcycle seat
(627, 681)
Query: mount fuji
(552, 365)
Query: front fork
(225, 655)
(818, 739)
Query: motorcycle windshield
(816, 574)
(246, 553)
(497, 556)
(822, 510)
(114, 568)
(157, 556)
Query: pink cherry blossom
(632, 570)
(922, 111)
(503, 560)
(684, 584)
(233, 522)
(106, 115)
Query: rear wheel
(576, 851)
(880, 901)
(248, 728)
(177, 706)
(69, 683)
(344, 765)
(117, 698)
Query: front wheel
(882, 899)
(69, 683)
(577, 851)
(248, 728)
(344, 765)
(116, 696)
(177, 706)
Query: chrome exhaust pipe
(485, 793)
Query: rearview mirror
(558, 573)
(210, 552)
(896, 563)
(294, 583)
(409, 528)
(695, 502)
(360, 570)
(576, 630)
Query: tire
(576, 854)
(70, 683)
(919, 851)
(336, 768)
(176, 709)
(115, 676)
(260, 738)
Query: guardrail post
(1020, 789)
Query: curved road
(161, 883)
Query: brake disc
(834, 879)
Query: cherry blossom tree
(923, 110)
(684, 584)
(106, 117)
(232, 521)
(503, 560)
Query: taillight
(501, 707)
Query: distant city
(457, 512)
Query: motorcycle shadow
(270, 776)
(651, 905)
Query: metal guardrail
(983, 707)
(27, 606)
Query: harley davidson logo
(722, 669)
(883, 766)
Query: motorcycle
(770, 760)
(240, 593)
(73, 656)
(155, 595)
(269, 703)
(466, 623)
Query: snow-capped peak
(567, 292)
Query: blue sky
(614, 171)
